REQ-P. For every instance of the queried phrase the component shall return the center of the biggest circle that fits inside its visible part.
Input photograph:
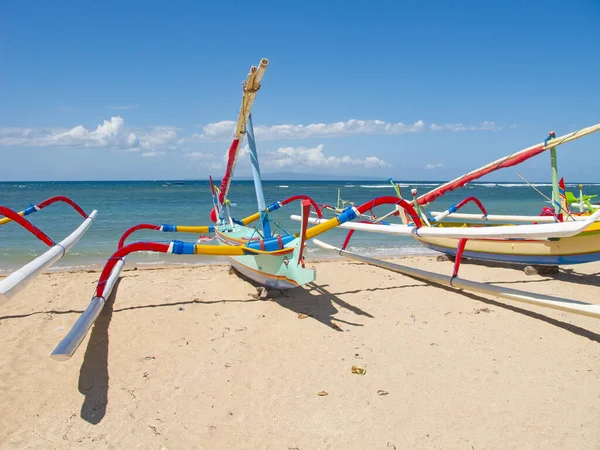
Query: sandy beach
(187, 357)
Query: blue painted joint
(239, 222)
(452, 209)
(169, 228)
(383, 222)
(274, 206)
(29, 210)
(183, 248)
(211, 228)
(272, 244)
(346, 215)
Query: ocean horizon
(125, 203)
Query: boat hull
(581, 248)
(273, 271)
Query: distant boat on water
(179, 182)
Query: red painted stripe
(389, 200)
(304, 197)
(63, 199)
(347, 240)
(509, 161)
(458, 258)
(13, 215)
(231, 160)
(124, 251)
(141, 226)
(474, 200)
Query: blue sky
(413, 90)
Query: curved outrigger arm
(204, 229)
(14, 282)
(35, 208)
(69, 344)
(441, 216)
(275, 206)
(67, 347)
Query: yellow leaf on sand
(359, 370)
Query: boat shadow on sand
(565, 274)
(311, 300)
(579, 331)
(93, 375)
(314, 301)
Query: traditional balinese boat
(558, 238)
(271, 259)
(578, 231)
(18, 279)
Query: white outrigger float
(18, 279)
(547, 301)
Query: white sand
(186, 358)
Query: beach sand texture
(186, 358)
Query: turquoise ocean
(122, 204)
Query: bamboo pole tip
(264, 62)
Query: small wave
(348, 185)
(523, 184)
(375, 186)
(283, 186)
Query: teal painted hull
(273, 271)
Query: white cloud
(224, 130)
(484, 126)
(162, 137)
(433, 166)
(155, 141)
(122, 107)
(198, 155)
(109, 134)
(286, 157)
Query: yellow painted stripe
(232, 250)
(192, 228)
(251, 218)
(6, 219)
(222, 250)
(322, 228)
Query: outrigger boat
(558, 238)
(18, 279)
(583, 228)
(273, 260)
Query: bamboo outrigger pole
(507, 161)
(546, 301)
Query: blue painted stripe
(183, 248)
(271, 244)
(29, 210)
(538, 260)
